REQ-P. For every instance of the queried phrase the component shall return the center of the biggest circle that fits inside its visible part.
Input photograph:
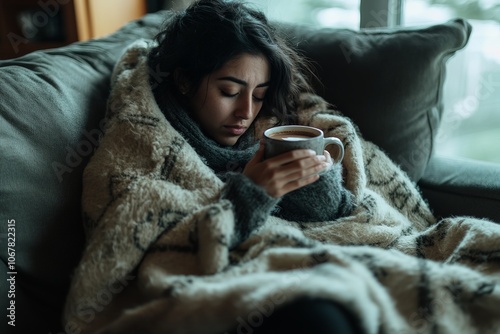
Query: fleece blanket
(157, 261)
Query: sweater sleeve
(324, 200)
(252, 205)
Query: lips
(236, 129)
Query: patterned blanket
(157, 261)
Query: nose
(244, 108)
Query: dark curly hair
(201, 39)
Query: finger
(312, 169)
(287, 172)
(303, 167)
(289, 156)
(328, 158)
(281, 182)
(258, 156)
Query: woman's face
(229, 99)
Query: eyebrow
(241, 82)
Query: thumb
(259, 155)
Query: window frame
(380, 13)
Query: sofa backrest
(389, 82)
(52, 104)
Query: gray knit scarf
(220, 158)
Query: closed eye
(228, 94)
(259, 99)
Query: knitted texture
(157, 258)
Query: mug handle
(335, 141)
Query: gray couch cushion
(388, 82)
(51, 103)
(462, 187)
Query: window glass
(321, 13)
(470, 126)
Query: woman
(190, 230)
(227, 68)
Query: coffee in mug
(281, 139)
(291, 135)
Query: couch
(52, 105)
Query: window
(471, 123)
(335, 13)
(470, 127)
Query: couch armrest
(460, 187)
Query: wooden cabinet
(28, 25)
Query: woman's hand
(286, 172)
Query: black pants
(307, 316)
